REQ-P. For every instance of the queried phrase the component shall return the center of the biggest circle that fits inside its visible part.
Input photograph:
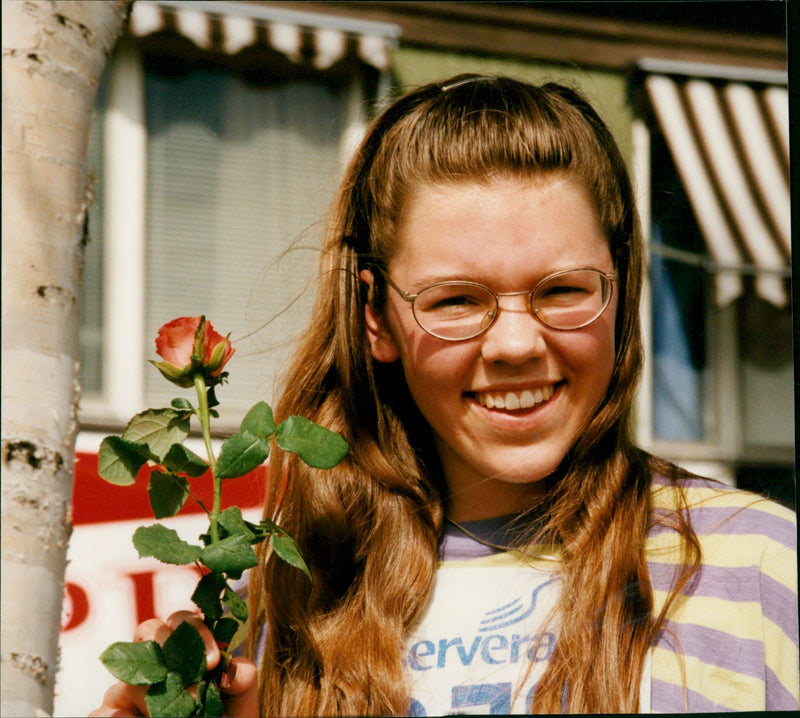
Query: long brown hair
(369, 528)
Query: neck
(490, 499)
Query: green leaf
(259, 420)
(168, 493)
(207, 595)
(236, 604)
(225, 630)
(232, 522)
(164, 544)
(119, 461)
(231, 555)
(213, 702)
(159, 429)
(182, 404)
(185, 653)
(169, 699)
(317, 446)
(286, 548)
(241, 453)
(181, 460)
(138, 664)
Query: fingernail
(227, 678)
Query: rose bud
(189, 345)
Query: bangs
(483, 127)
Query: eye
(570, 287)
(565, 292)
(562, 289)
(454, 299)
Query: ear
(381, 341)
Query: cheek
(590, 355)
(429, 364)
(601, 357)
(435, 372)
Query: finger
(240, 677)
(152, 630)
(122, 699)
(239, 686)
(212, 650)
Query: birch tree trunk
(53, 55)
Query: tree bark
(53, 55)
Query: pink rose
(190, 345)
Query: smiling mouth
(515, 400)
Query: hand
(239, 685)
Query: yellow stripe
(732, 551)
(724, 687)
(739, 619)
(780, 564)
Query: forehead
(506, 226)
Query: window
(718, 393)
(691, 402)
(681, 373)
(237, 173)
(215, 176)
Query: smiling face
(504, 407)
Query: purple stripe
(668, 698)
(733, 584)
(778, 697)
(731, 520)
(715, 648)
(462, 548)
(747, 583)
(779, 605)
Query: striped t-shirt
(730, 641)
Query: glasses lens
(455, 310)
(573, 299)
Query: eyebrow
(428, 279)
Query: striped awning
(305, 38)
(728, 133)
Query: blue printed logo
(511, 613)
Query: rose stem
(205, 426)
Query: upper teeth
(515, 400)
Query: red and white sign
(108, 588)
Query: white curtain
(237, 175)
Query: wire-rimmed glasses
(458, 309)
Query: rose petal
(175, 340)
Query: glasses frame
(411, 298)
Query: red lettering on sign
(145, 596)
(75, 608)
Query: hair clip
(468, 80)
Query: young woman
(494, 541)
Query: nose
(516, 336)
